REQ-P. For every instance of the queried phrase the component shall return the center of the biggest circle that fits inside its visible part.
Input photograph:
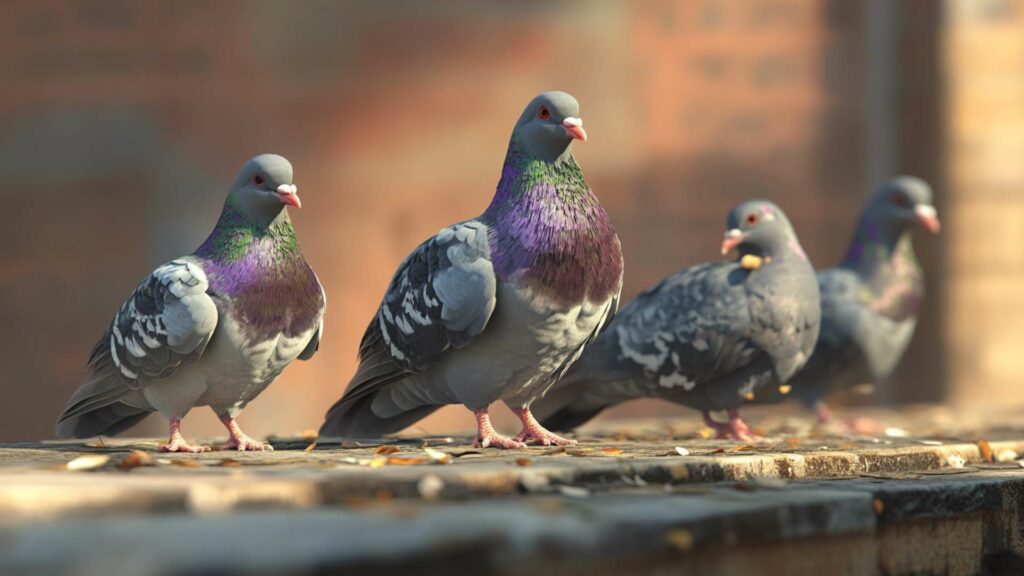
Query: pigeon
(213, 328)
(712, 337)
(496, 307)
(870, 301)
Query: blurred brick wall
(983, 58)
(125, 121)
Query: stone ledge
(34, 481)
(716, 529)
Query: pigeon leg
(828, 420)
(534, 433)
(177, 442)
(823, 412)
(487, 437)
(240, 440)
(734, 429)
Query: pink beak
(288, 194)
(733, 238)
(574, 127)
(929, 218)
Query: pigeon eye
(752, 219)
(900, 200)
(543, 113)
(257, 180)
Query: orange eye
(543, 113)
(257, 180)
(752, 219)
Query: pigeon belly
(231, 372)
(528, 341)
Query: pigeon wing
(168, 320)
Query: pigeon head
(548, 126)
(760, 228)
(901, 203)
(264, 187)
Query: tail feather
(356, 419)
(108, 420)
(564, 408)
(353, 415)
(96, 407)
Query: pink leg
(823, 412)
(534, 433)
(487, 437)
(826, 418)
(177, 442)
(238, 440)
(735, 428)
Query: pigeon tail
(96, 408)
(355, 419)
(108, 420)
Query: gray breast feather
(168, 319)
(441, 297)
(850, 329)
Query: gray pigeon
(210, 329)
(496, 307)
(710, 337)
(870, 302)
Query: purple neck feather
(549, 231)
(261, 274)
(886, 262)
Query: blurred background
(123, 122)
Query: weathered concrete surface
(625, 500)
(751, 530)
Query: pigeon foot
(486, 437)
(241, 441)
(177, 442)
(734, 429)
(534, 433)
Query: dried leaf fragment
(403, 461)
(134, 459)
(523, 462)
(878, 506)
(611, 450)
(311, 447)
(90, 462)
(185, 463)
(438, 456)
(386, 449)
(986, 451)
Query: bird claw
(244, 443)
(544, 438)
(180, 445)
(497, 441)
(734, 429)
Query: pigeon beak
(288, 194)
(733, 238)
(927, 216)
(574, 128)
